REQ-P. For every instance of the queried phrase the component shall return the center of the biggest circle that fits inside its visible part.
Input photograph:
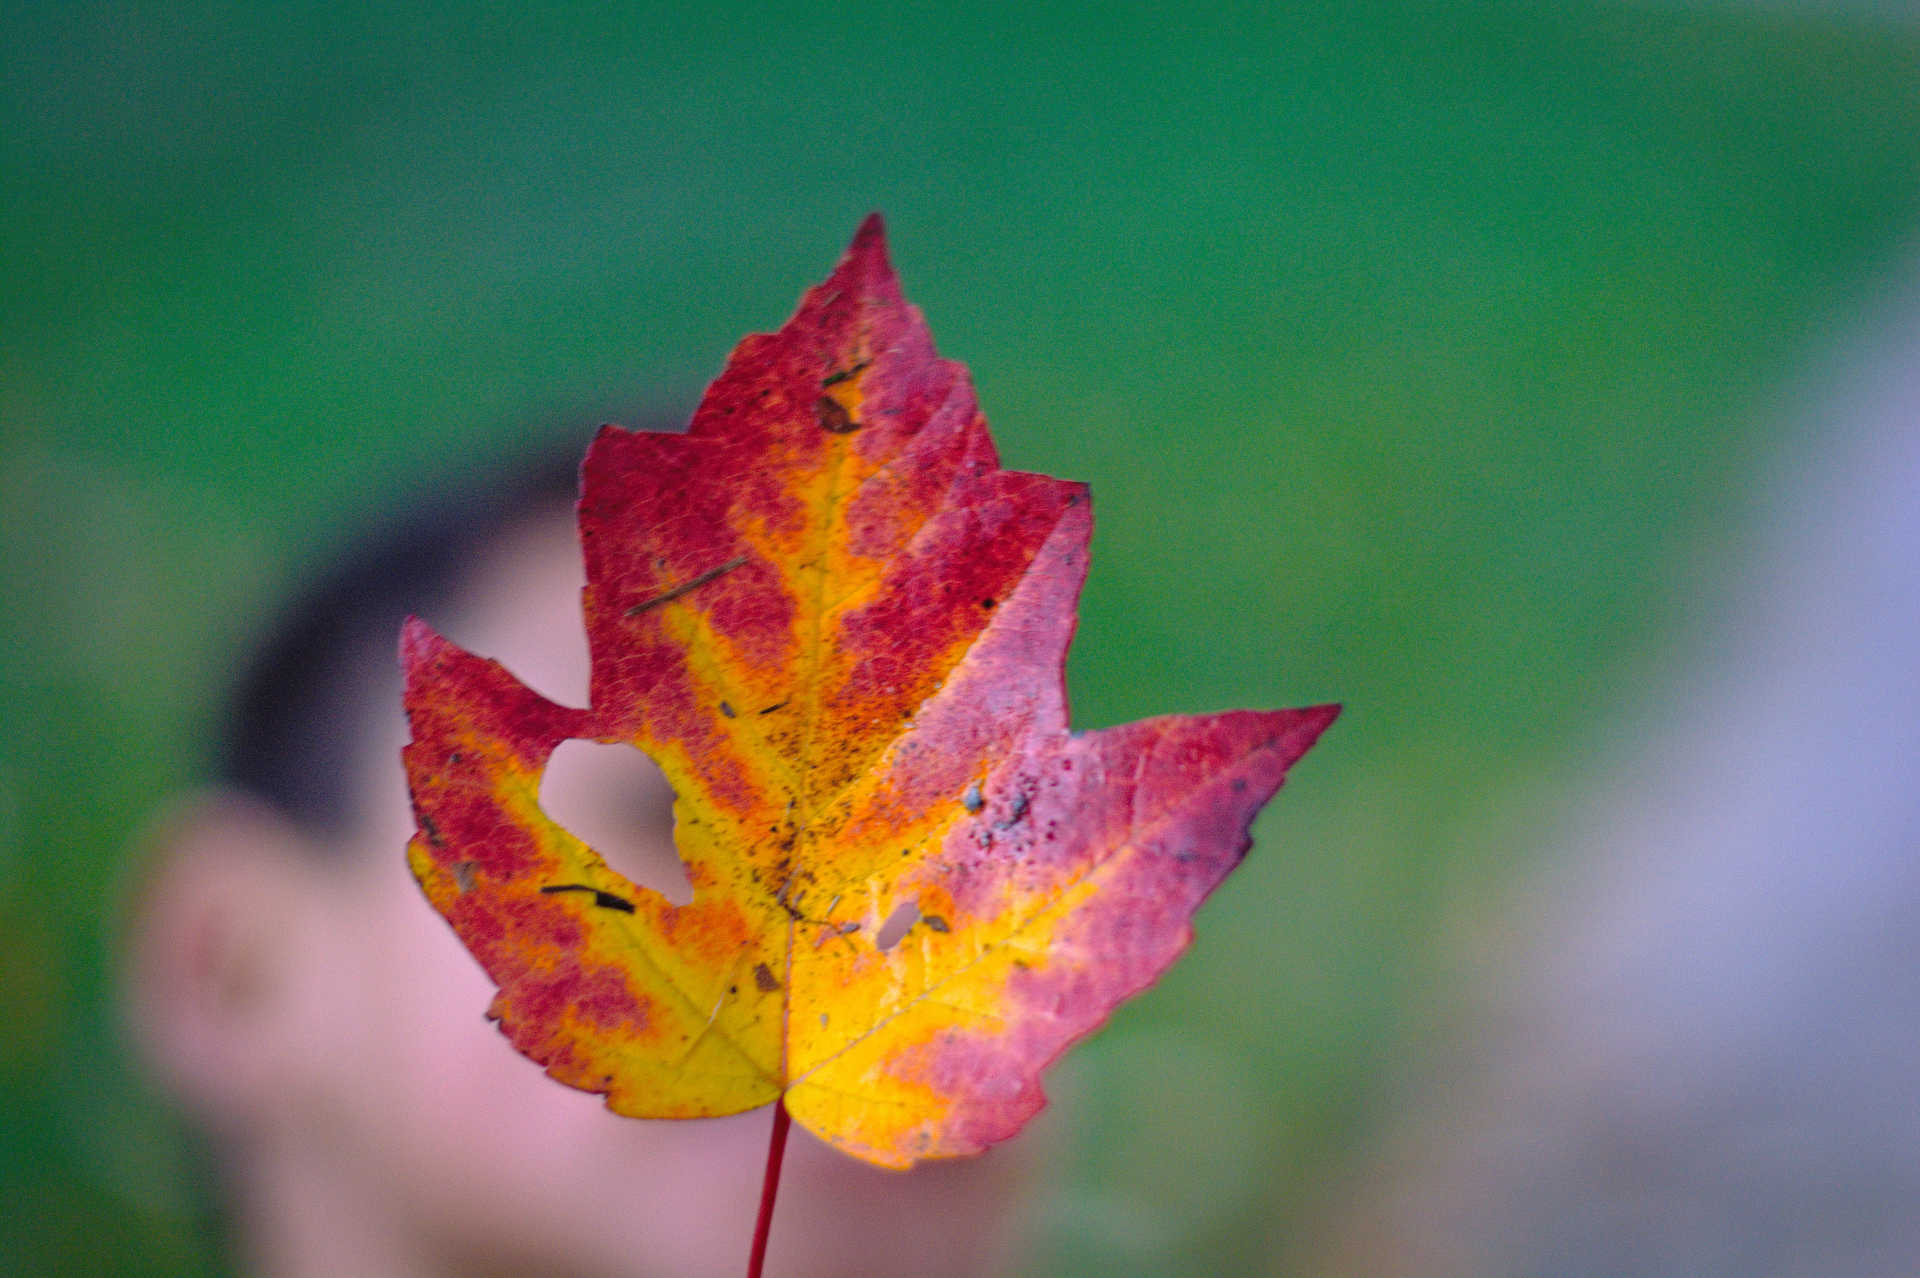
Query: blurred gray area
(1701, 1056)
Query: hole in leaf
(898, 924)
(617, 801)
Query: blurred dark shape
(293, 728)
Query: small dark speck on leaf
(935, 922)
(763, 977)
(897, 925)
(833, 416)
(463, 874)
(841, 375)
(988, 603)
(972, 800)
(726, 710)
(686, 587)
(605, 900)
(1239, 785)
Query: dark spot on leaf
(763, 977)
(988, 603)
(690, 584)
(835, 378)
(792, 908)
(935, 922)
(726, 710)
(463, 874)
(972, 800)
(432, 831)
(605, 900)
(1239, 785)
(833, 416)
(778, 705)
(898, 924)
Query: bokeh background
(1421, 356)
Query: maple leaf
(840, 629)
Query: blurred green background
(1415, 354)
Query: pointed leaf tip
(1322, 716)
(417, 641)
(872, 230)
(866, 258)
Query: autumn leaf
(840, 629)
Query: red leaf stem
(769, 1186)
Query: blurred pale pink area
(325, 1025)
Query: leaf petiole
(769, 1186)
